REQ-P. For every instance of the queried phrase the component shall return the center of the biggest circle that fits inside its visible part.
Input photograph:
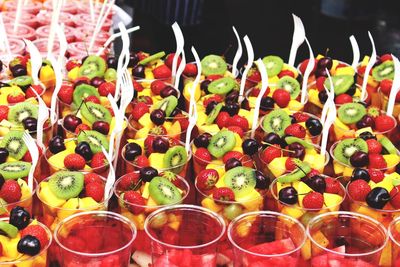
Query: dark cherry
(232, 163)
(71, 122)
(366, 121)
(367, 135)
(250, 146)
(359, 159)
(378, 61)
(397, 169)
(245, 104)
(168, 91)
(2, 180)
(320, 73)
(317, 183)
(292, 119)
(148, 173)
(288, 195)
(97, 81)
(1, 65)
(299, 78)
(267, 103)
(377, 198)
(30, 124)
(18, 70)
(210, 106)
(297, 150)
(80, 81)
(232, 97)
(202, 140)
(3, 155)
(29, 245)
(323, 96)
(133, 60)
(56, 144)
(232, 108)
(352, 90)
(272, 139)
(160, 144)
(112, 62)
(314, 126)
(138, 71)
(19, 217)
(83, 149)
(325, 62)
(359, 173)
(262, 182)
(132, 150)
(157, 116)
(101, 127)
(204, 85)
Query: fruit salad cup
(141, 193)
(96, 238)
(22, 32)
(84, 33)
(394, 236)
(148, 67)
(266, 238)
(84, 20)
(24, 241)
(17, 47)
(346, 239)
(68, 6)
(184, 235)
(41, 45)
(383, 95)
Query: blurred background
(207, 25)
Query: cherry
(210, 107)
(272, 139)
(320, 73)
(359, 173)
(30, 124)
(168, 91)
(133, 60)
(377, 198)
(97, 81)
(2, 180)
(325, 62)
(323, 96)
(19, 217)
(366, 121)
(367, 135)
(352, 90)
(232, 97)
(267, 103)
(232, 163)
(138, 71)
(297, 150)
(101, 126)
(18, 70)
(288, 195)
(3, 155)
(83, 149)
(314, 126)
(317, 183)
(71, 122)
(202, 140)
(157, 116)
(231, 108)
(29, 245)
(132, 150)
(204, 85)
(160, 144)
(148, 173)
(262, 182)
(1, 65)
(112, 62)
(398, 168)
(359, 159)
(250, 146)
(56, 144)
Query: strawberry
(386, 57)
(216, 98)
(190, 70)
(142, 161)
(139, 110)
(222, 119)
(270, 153)
(202, 156)
(386, 86)
(384, 123)
(214, 77)
(3, 112)
(98, 161)
(34, 87)
(296, 130)
(183, 121)
(37, 231)
(106, 88)
(312, 173)
(170, 59)
(128, 181)
(281, 97)
(82, 127)
(15, 98)
(148, 143)
(236, 129)
(71, 64)
(232, 154)
(290, 165)
(134, 202)
(254, 75)
(255, 92)
(92, 178)
(376, 161)
(303, 66)
(395, 197)
(161, 72)
(95, 191)
(332, 186)
(224, 194)
(65, 93)
(171, 237)
(358, 190)
(10, 191)
(156, 86)
(92, 98)
(313, 200)
(376, 175)
(374, 147)
(343, 99)
(239, 121)
(301, 116)
(142, 55)
(361, 70)
(320, 83)
(207, 179)
(74, 162)
(137, 86)
(286, 73)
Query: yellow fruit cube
(295, 105)
(385, 183)
(345, 71)
(88, 203)
(338, 167)
(142, 133)
(363, 130)
(313, 97)
(303, 189)
(332, 201)
(73, 74)
(175, 129)
(47, 196)
(252, 201)
(145, 121)
(294, 212)
(306, 250)
(212, 129)
(156, 160)
(57, 160)
(145, 192)
(238, 139)
(69, 208)
(277, 166)
(391, 160)
(210, 204)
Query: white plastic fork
(36, 60)
(33, 150)
(111, 174)
(299, 35)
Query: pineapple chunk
(391, 160)
(277, 166)
(156, 160)
(332, 201)
(210, 204)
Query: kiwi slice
(221, 143)
(347, 147)
(21, 111)
(291, 139)
(241, 180)
(341, 83)
(15, 169)
(163, 192)
(300, 172)
(168, 104)
(350, 113)
(384, 71)
(273, 64)
(8, 229)
(213, 65)
(175, 158)
(276, 122)
(22, 81)
(93, 66)
(95, 112)
(95, 139)
(151, 58)
(388, 145)
(65, 184)
(82, 91)
(213, 114)
(14, 144)
(289, 84)
(222, 86)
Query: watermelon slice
(275, 247)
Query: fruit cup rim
(33, 192)
(99, 214)
(372, 221)
(266, 214)
(390, 229)
(192, 208)
(311, 74)
(385, 97)
(229, 66)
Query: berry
(254, 75)
(81, 127)
(239, 121)
(98, 161)
(148, 173)
(190, 70)
(15, 98)
(313, 200)
(281, 97)
(232, 154)
(215, 98)
(202, 156)
(271, 153)
(142, 161)
(374, 147)
(156, 86)
(224, 194)
(376, 175)
(395, 197)
(320, 83)
(19, 217)
(92, 178)
(332, 186)
(30, 91)
(386, 57)
(386, 86)
(236, 129)
(358, 190)
(290, 165)
(207, 179)
(222, 119)
(38, 232)
(107, 88)
(286, 73)
(72, 64)
(93, 99)
(137, 86)
(301, 117)
(359, 173)
(343, 99)
(384, 123)
(129, 181)
(169, 60)
(29, 245)
(377, 161)
(3, 112)
(162, 72)
(10, 191)
(95, 191)
(71, 122)
(74, 162)
(214, 77)
(296, 130)
(135, 202)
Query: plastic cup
(22, 32)
(394, 236)
(67, 7)
(266, 238)
(32, 7)
(384, 103)
(84, 7)
(372, 87)
(17, 46)
(184, 235)
(41, 45)
(96, 238)
(346, 239)
(79, 50)
(84, 33)
(44, 18)
(26, 18)
(43, 32)
(84, 20)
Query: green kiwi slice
(163, 192)
(341, 83)
(14, 144)
(151, 58)
(384, 71)
(276, 122)
(222, 86)
(21, 111)
(291, 139)
(175, 158)
(241, 180)
(388, 145)
(93, 66)
(95, 139)
(273, 64)
(168, 104)
(8, 229)
(95, 112)
(300, 172)
(65, 184)
(221, 143)
(289, 84)
(213, 65)
(347, 147)
(22, 81)
(213, 114)
(350, 113)
(82, 91)
(15, 170)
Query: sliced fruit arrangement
(152, 92)
(383, 69)
(13, 191)
(152, 67)
(22, 238)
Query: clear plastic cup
(44, 31)
(32, 7)
(67, 7)
(394, 236)
(22, 32)
(28, 19)
(84, 34)
(41, 45)
(85, 20)
(17, 46)
(44, 18)
(79, 50)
